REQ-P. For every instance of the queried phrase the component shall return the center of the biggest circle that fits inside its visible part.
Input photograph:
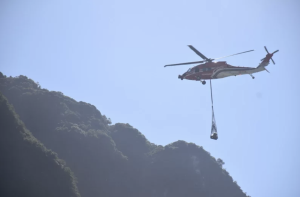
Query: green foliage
(132, 143)
(114, 160)
(27, 167)
(2, 76)
(220, 162)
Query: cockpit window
(189, 70)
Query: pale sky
(111, 54)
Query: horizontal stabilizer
(266, 69)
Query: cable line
(213, 133)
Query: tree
(220, 162)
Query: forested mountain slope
(114, 160)
(27, 168)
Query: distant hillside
(114, 160)
(27, 167)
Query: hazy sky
(111, 54)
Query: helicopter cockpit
(189, 70)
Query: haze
(111, 54)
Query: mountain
(27, 167)
(114, 160)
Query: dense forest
(107, 160)
(27, 167)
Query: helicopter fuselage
(218, 70)
(215, 70)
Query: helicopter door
(196, 69)
(206, 69)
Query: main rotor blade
(266, 49)
(275, 51)
(198, 62)
(233, 54)
(198, 53)
(272, 60)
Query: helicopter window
(197, 69)
(206, 69)
(189, 70)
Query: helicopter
(216, 70)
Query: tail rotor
(270, 54)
